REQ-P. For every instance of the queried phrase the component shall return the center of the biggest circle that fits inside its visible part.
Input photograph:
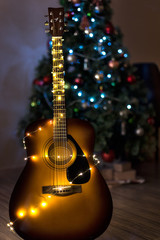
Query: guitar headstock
(56, 21)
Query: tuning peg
(46, 23)
(47, 30)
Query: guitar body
(38, 212)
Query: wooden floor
(136, 213)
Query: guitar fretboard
(59, 110)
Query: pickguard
(80, 165)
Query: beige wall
(23, 43)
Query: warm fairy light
(49, 196)
(54, 74)
(25, 158)
(60, 65)
(46, 155)
(61, 114)
(70, 182)
(59, 98)
(40, 129)
(80, 174)
(50, 122)
(28, 134)
(33, 157)
(33, 211)
(44, 204)
(21, 213)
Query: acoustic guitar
(60, 194)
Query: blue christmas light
(93, 20)
(103, 95)
(50, 44)
(92, 99)
(80, 93)
(103, 53)
(96, 106)
(104, 38)
(95, 48)
(129, 106)
(125, 55)
(79, 9)
(120, 51)
(75, 86)
(109, 75)
(91, 35)
(109, 44)
(70, 51)
(81, 47)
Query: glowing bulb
(54, 74)
(11, 228)
(109, 75)
(28, 134)
(80, 174)
(50, 122)
(70, 182)
(91, 99)
(102, 95)
(21, 213)
(70, 51)
(79, 9)
(90, 169)
(100, 40)
(120, 51)
(75, 86)
(26, 159)
(61, 114)
(104, 38)
(40, 129)
(91, 35)
(33, 157)
(93, 20)
(44, 204)
(80, 93)
(103, 53)
(33, 211)
(46, 155)
(129, 106)
(59, 98)
(60, 65)
(49, 196)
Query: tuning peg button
(46, 23)
(47, 30)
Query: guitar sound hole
(60, 155)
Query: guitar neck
(59, 109)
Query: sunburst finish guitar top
(60, 194)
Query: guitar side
(83, 215)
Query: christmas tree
(101, 85)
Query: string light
(109, 75)
(92, 99)
(129, 106)
(120, 51)
(93, 20)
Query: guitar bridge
(62, 190)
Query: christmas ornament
(109, 28)
(86, 64)
(108, 157)
(79, 80)
(69, 15)
(38, 82)
(131, 79)
(151, 121)
(99, 76)
(71, 58)
(84, 23)
(99, 9)
(139, 131)
(113, 63)
(123, 113)
(47, 79)
(76, 1)
(85, 105)
(101, 88)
